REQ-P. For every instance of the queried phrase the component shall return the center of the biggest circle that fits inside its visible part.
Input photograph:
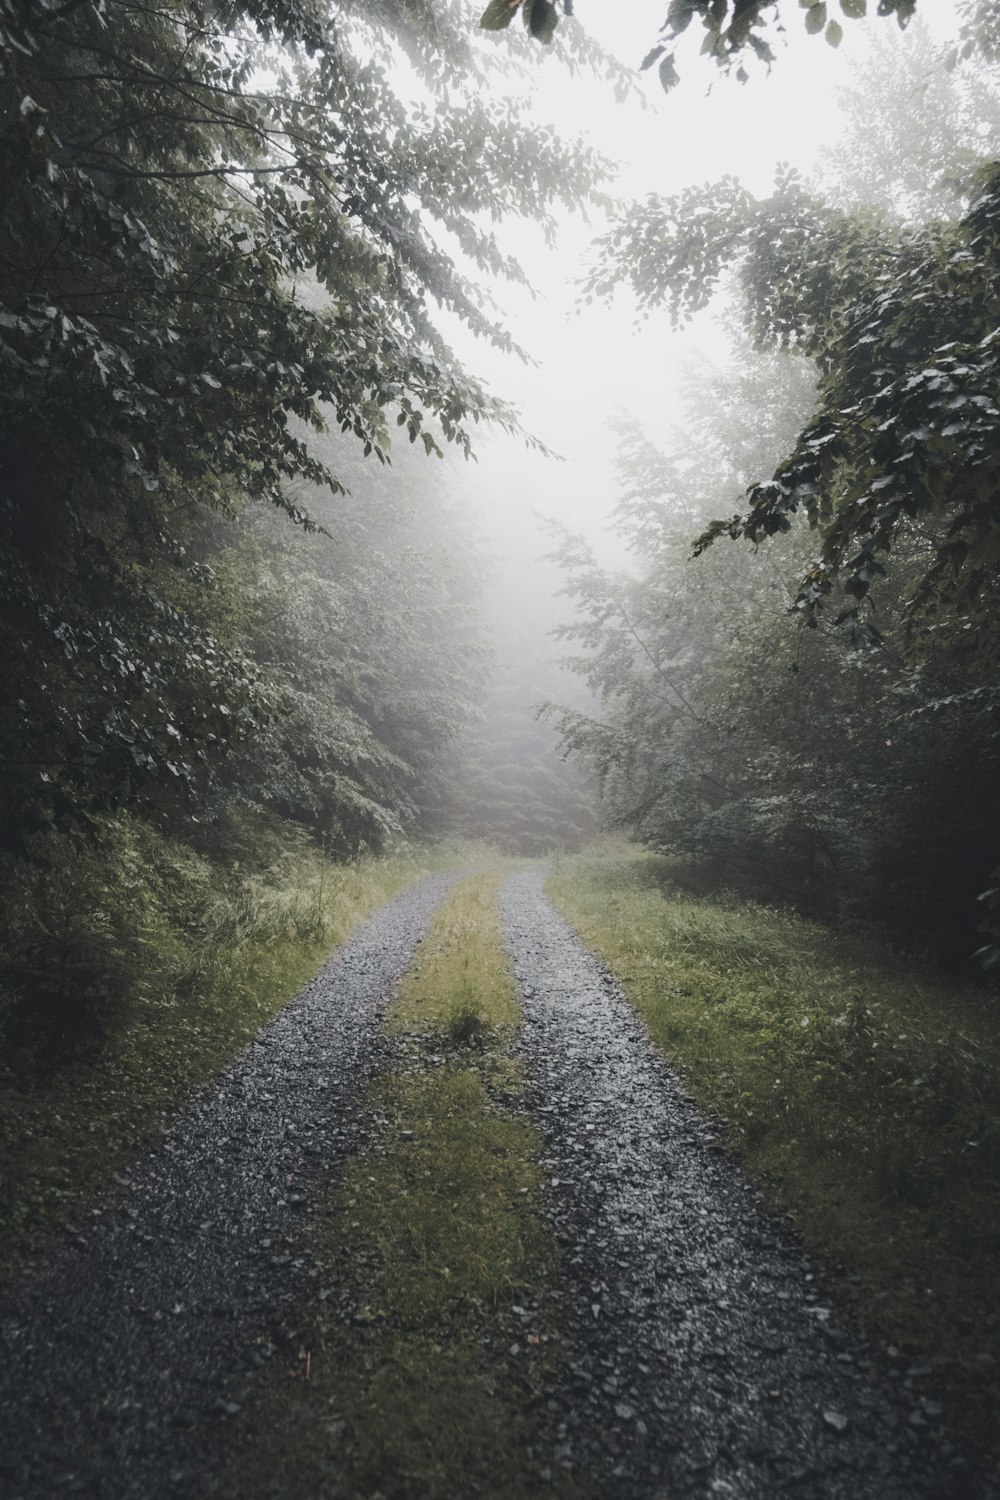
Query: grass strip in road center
(863, 1090)
(434, 1343)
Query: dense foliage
(226, 232)
(849, 780)
(901, 324)
(196, 271)
(851, 767)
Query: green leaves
(541, 19)
(198, 277)
(499, 14)
(816, 17)
(902, 329)
(669, 77)
(731, 27)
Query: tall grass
(133, 971)
(862, 1088)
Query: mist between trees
(242, 597)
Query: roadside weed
(860, 1088)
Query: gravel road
(142, 1330)
(707, 1360)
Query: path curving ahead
(127, 1347)
(705, 1360)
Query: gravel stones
(704, 1360)
(141, 1331)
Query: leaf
(854, 9)
(498, 14)
(668, 74)
(679, 14)
(651, 57)
(834, 34)
(816, 18)
(541, 19)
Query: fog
(593, 365)
(592, 362)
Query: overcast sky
(593, 361)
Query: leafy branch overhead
(540, 16)
(757, 755)
(731, 27)
(902, 326)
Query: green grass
(430, 1238)
(861, 1088)
(460, 980)
(256, 943)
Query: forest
(240, 617)
(264, 267)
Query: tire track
(706, 1359)
(133, 1340)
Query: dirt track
(705, 1359)
(124, 1354)
(708, 1360)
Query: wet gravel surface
(706, 1359)
(144, 1330)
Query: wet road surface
(138, 1335)
(706, 1361)
(704, 1358)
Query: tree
(369, 633)
(901, 325)
(871, 739)
(914, 131)
(803, 764)
(222, 229)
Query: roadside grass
(861, 1089)
(205, 987)
(428, 1358)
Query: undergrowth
(862, 1088)
(425, 1364)
(132, 972)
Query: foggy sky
(595, 360)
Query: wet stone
(705, 1316)
(210, 1250)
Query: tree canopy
(223, 229)
(850, 766)
(850, 782)
(902, 327)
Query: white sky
(593, 361)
